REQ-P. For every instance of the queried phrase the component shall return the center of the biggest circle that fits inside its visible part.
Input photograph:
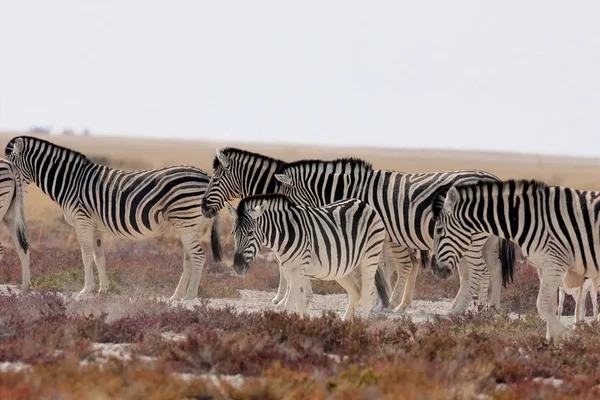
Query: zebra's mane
(52, 146)
(519, 185)
(233, 151)
(347, 162)
(275, 201)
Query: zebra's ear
(452, 198)
(285, 179)
(231, 210)
(223, 159)
(258, 210)
(18, 146)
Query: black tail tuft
(424, 258)
(508, 258)
(382, 289)
(215, 240)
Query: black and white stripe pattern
(239, 173)
(404, 203)
(96, 199)
(12, 215)
(326, 243)
(557, 228)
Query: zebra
(403, 201)
(557, 228)
(239, 173)
(12, 215)
(97, 200)
(326, 243)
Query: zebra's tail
(508, 259)
(424, 258)
(18, 209)
(215, 240)
(381, 288)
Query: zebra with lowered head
(326, 243)
(557, 229)
(239, 173)
(98, 200)
(404, 203)
(12, 215)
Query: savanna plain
(230, 343)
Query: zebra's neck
(258, 176)
(504, 209)
(281, 228)
(60, 177)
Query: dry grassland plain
(230, 344)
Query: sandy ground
(257, 301)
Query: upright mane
(344, 164)
(30, 139)
(239, 153)
(275, 201)
(522, 185)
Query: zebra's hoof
(401, 309)
(277, 299)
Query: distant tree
(44, 130)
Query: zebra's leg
(100, 261)
(368, 268)
(492, 260)
(594, 295)
(293, 299)
(577, 314)
(410, 284)
(402, 261)
(349, 284)
(561, 300)
(85, 234)
(282, 284)
(463, 291)
(23, 257)
(196, 254)
(286, 291)
(474, 265)
(484, 286)
(552, 276)
(308, 291)
(181, 288)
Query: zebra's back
(138, 204)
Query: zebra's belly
(328, 271)
(135, 232)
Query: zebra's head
(17, 151)
(224, 185)
(451, 238)
(248, 237)
(300, 190)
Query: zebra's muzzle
(240, 266)
(440, 271)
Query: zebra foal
(98, 200)
(326, 243)
(557, 228)
(12, 215)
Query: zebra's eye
(439, 230)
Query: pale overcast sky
(504, 75)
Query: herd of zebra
(326, 220)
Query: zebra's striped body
(98, 200)
(326, 243)
(238, 174)
(404, 203)
(557, 228)
(12, 215)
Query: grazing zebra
(404, 202)
(237, 174)
(12, 215)
(557, 228)
(96, 199)
(326, 243)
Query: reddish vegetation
(321, 357)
